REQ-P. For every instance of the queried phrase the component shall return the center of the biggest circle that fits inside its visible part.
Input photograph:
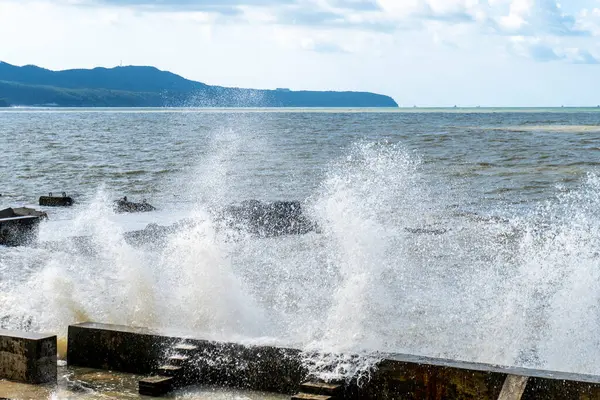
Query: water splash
(397, 267)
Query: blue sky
(421, 52)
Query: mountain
(134, 86)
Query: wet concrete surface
(86, 383)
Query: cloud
(543, 53)
(538, 50)
(193, 4)
(504, 17)
(308, 17)
(321, 46)
(536, 17)
(223, 7)
(357, 5)
(448, 23)
(331, 18)
(589, 20)
(580, 56)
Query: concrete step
(310, 396)
(156, 385)
(184, 348)
(323, 388)
(178, 360)
(170, 370)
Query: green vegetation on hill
(150, 87)
(32, 95)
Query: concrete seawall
(170, 361)
(413, 377)
(143, 351)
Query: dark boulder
(268, 219)
(259, 219)
(155, 234)
(426, 231)
(123, 206)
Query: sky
(420, 52)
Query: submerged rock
(426, 231)
(258, 218)
(123, 206)
(268, 219)
(154, 233)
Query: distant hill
(151, 87)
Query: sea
(468, 234)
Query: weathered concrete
(56, 201)
(414, 377)
(115, 347)
(513, 387)
(143, 351)
(397, 376)
(27, 357)
(155, 385)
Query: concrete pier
(397, 376)
(27, 357)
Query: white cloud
(542, 50)
(321, 46)
(589, 20)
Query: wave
(396, 268)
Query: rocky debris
(268, 219)
(125, 206)
(19, 226)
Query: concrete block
(178, 360)
(322, 388)
(27, 357)
(155, 385)
(308, 396)
(170, 370)
(120, 348)
(56, 201)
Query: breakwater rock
(257, 218)
(268, 219)
(125, 206)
